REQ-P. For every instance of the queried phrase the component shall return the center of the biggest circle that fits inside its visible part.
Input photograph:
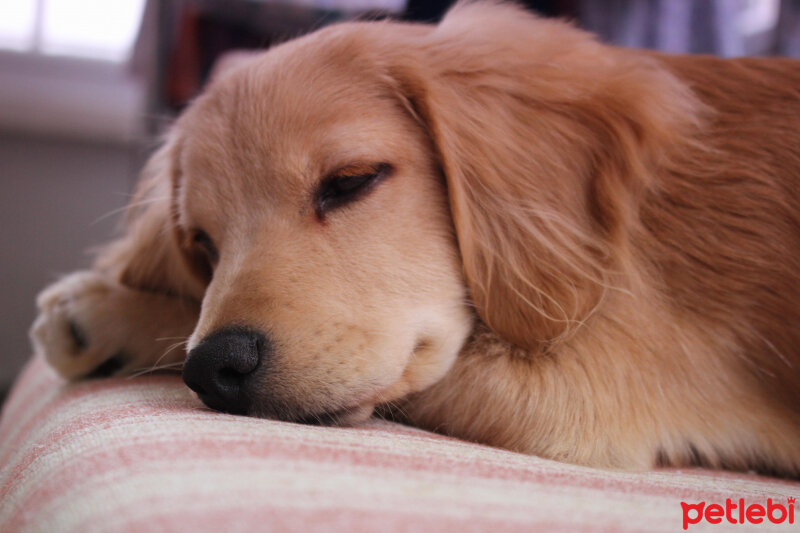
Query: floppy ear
(152, 254)
(547, 140)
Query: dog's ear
(546, 139)
(152, 253)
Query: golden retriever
(496, 227)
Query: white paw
(76, 328)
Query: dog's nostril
(218, 368)
(229, 376)
(196, 387)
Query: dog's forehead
(285, 118)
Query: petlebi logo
(738, 512)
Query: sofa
(143, 454)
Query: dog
(497, 228)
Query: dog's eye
(202, 241)
(347, 185)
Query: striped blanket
(142, 454)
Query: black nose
(217, 369)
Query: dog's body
(627, 226)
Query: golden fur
(583, 252)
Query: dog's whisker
(128, 207)
(155, 368)
(393, 405)
(170, 348)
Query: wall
(53, 195)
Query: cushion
(143, 454)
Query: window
(94, 29)
(64, 69)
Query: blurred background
(87, 87)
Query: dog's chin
(353, 415)
(350, 416)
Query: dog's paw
(78, 329)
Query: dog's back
(725, 220)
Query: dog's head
(347, 201)
(312, 203)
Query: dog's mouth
(348, 416)
(361, 410)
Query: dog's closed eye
(347, 185)
(200, 252)
(202, 241)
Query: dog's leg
(90, 325)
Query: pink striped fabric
(142, 454)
